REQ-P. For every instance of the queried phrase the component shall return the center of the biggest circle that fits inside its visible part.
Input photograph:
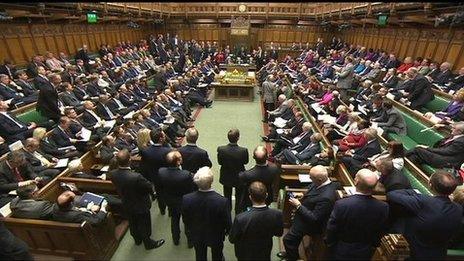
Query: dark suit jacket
(8, 181)
(252, 233)
(433, 222)
(34, 162)
(443, 77)
(106, 153)
(76, 216)
(134, 190)
(420, 92)
(308, 152)
(27, 87)
(60, 138)
(356, 226)
(395, 180)
(267, 174)
(69, 99)
(153, 158)
(174, 183)
(88, 120)
(232, 159)
(207, 216)
(31, 208)
(317, 203)
(450, 154)
(9, 128)
(100, 110)
(366, 151)
(193, 158)
(47, 103)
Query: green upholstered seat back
(31, 116)
(428, 138)
(437, 104)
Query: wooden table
(231, 91)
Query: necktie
(42, 159)
(108, 111)
(18, 176)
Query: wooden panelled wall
(282, 35)
(438, 45)
(21, 41)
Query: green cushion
(408, 143)
(437, 104)
(428, 169)
(415, 183)
(455, 252)
(31, 116)
(428, 138)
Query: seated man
(65, 211)
(298, 143)
(75, 169)
(69, 99)
(11, 128)
(449, 152)
(354, 159)
(298, 157)
(14, 173)
(25, 206)
(108, 149)
(10, 92)
(42, 164)
(62, 136)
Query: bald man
(193, 156)
(174, 183)
(357, 222)
(263, 171)
(64, 211)
(312, 212)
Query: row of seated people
(387, 164)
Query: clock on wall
(242, 8)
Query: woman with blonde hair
(46, 147)
(143, 139)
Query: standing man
(253, 230)
(153, 158)
(263, 171)
(312, 213)
(232, 159)
(345, 78)
(206, 216)
(357, 222)
(435, 219)
(269, 95)
(193, 157)
(174, 183)
(135, 192)
(47, 103)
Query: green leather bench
(31, 116)
(435, 105)
(415, 137)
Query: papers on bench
(280, 131)
(390, 96)
(17, 145)
(362, 110)
(62, 163)
(85, 134)
(169, 119)
(129, 115)
(109, 124)
(67, 148)
(105, 168)
(304, 178)
(202, 85)
(327, 119)
(317, 107)
(349, 190)
(279, 122)
(375, 125)
(5, 210)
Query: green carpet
(213, 124)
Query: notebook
(88, 197)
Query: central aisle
(213, 125)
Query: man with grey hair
(418, 91)
(312, 212)
(193, 156)
(447, 153)
(269, 92)
(206, 217)
(354, 159)
(283, 106)
(351, 233)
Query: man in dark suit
(68, 98)
(313, 148)
(252, 231)
(153, 158)
(357, 222)
(42, 165)
(433, 220)
(312, 212)
(12, 128)
(14, 173)
(103, 109)
(64, 211)
(419, 92)
(12, 248)
(354, 159)
(232, 159)
(61, 135)
(47, 103)
(444, 75)
(264, 172)
(449, 152)
(174, 183)
(193, 157)
(8, 68)
(135, 192)
(27, 88)
(25, 206)
(206, 216)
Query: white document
(279, 122)
(390, 96)
(280, 131)
(105, 168)
(351, 107)
(85, 134)
(350, 190)
(362, 110)
(316, 107)
(17, 145)
(215, 83)
(62, 163)
(169, 120)
(129, 115)
(5, 210)
(304, 178)
(202, 85)
(109, 124)
(67, 148)
(251, 74)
